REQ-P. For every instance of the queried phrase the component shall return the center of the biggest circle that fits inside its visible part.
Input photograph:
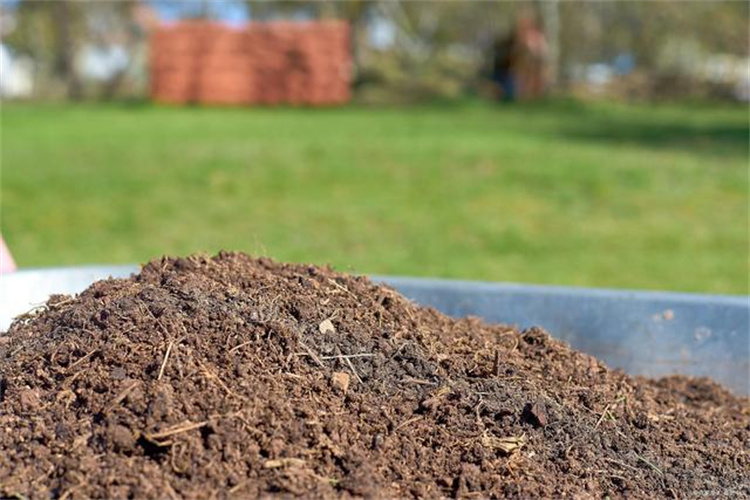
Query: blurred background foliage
(417, 50)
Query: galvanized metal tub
(643, 333)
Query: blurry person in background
(519, 60)
(530, 56)
(502, 66)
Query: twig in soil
(354, 371)
(312, 354)
(330, 480)
(67, 396)
(120, 397)
(643, 459)
(159, 323)
(272, 304)
(240, 346)
(53, 357)
(609, 474)
(396, 352)
(44, 476)
(68, 493)
(348, 356)
(350, 364)
(125, 332)
(408, 422)
(283, 462)
(83, 358)
(477, 409)
(212, 376)
(619, 433)
(604, 414)
(69, 380)
(238, 487)
(164, 362)
(658, 418)
(341, 287)
(416, 381)
(186, 426)
(13, 353)
(621, 464)
(61, 303)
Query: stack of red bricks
(261, 63)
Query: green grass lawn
(608, 195)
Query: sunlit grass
(565, 193)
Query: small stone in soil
(340, 381)
(535, 414)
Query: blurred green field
(609, 195)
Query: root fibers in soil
(235, 377)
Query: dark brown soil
(230, 377)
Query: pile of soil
(234, 377)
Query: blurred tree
(647, 33)
(52, 34)
(67, 30)
(115, 24)
(598, 31)
(36, 35)
(436, 48)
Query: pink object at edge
(6, 259)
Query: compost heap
(234, 377)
